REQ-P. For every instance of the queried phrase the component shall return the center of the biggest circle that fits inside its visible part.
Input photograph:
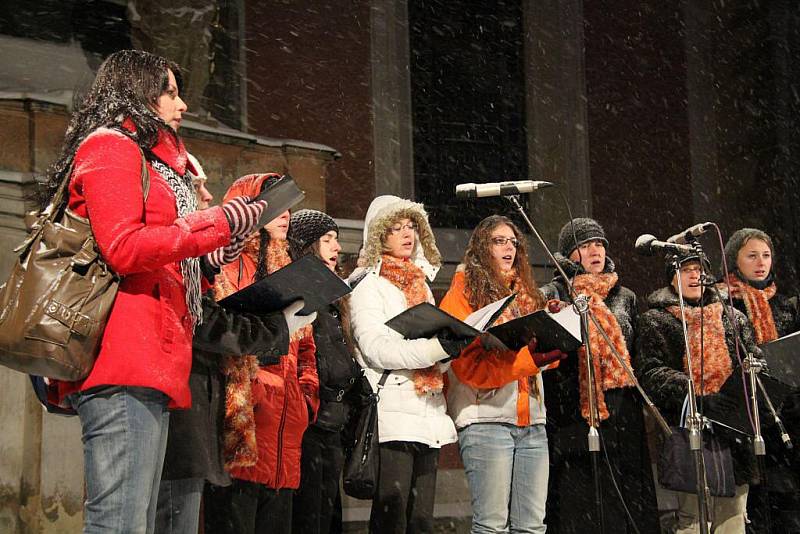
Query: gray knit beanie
(306, 227)
(586, 229)
(737, 241)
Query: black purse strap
(381, 383)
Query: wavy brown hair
(127, 86)
(484, 280)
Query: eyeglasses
(397, 228)
(691, 269)
(501, 241)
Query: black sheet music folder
(307, 278)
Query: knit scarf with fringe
(408, 278)
(715, 356)
(608, 372)
(523, 304)
(756, 302)
(239, 427)
(185, 203)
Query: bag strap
(381, 383)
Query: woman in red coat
(153, 243)
(270, 399)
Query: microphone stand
(694, 420)
(582, 305)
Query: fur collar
(381, 214)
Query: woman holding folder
(398, 256)
(495, 395)
(270, 398)
(750, 254)
(624, 458)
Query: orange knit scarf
(716, 358)
(410, 279)
(523, 304)
(608, 372)
(756, 302)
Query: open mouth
(508, 257)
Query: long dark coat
(571, 498)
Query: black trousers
(320, 469)
(404, 499)
(247, 508)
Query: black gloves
(452, 343)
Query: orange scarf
(608, 372)
(522, 304)
(756, 302)
(239, 429)
(716, 358)
(409, 278)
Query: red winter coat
(285, 399)
(285, 395)
(148, 339)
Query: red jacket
(148, 339)
(285, 395)
(285, 399)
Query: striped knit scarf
(758, 310)
(185, 203)
(409, 278)
(715, 356)
(608, 372)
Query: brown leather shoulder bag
(55, 304)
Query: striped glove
(227, 254)
(243, 214)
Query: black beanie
(306, 227)
(586, 229)
(683, 257)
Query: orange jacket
(482, 369)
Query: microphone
(648, 245)
(690, 233)
(499, 189)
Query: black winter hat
(307, 226)
(683, 257)
(586, 229)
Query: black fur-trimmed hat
(683, 257)
(306, 227)
(586, 229)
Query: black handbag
(676, 464)
(363, 462)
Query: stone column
(558, 143)
(391, 99)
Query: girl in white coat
(399, 254)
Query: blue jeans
(124, 432)
(179, 506)
(507, 469)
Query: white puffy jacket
(402, 414)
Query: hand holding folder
(307, 278)
(559, 331)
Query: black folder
(550, 334)
(425, 320)
(734, 412)
(281, 195)
(782, 359)
(307, 278)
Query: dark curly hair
(483, 278)
(127, 86)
